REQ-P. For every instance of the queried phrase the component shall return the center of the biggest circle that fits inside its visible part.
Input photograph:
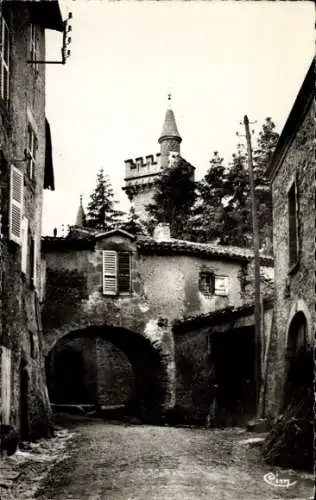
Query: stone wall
(21, 326)
(295, 290)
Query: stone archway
(296, 371)
(117, 366)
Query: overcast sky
(220, 60)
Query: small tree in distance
(101, 211)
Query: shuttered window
(109, 272)
(124, 272)
(116, 272)
(16, 205)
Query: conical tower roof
(169, 129)
(81, 216)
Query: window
(292, 221)
(4, 60)
(211, 284)
(16, 205)
(34, 45)
(31, 151)
(206, 284)
(221, 286)
(116, 272)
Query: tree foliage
(101, 211)
(222, 211)
(174, 197)
(134, 225)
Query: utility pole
(255, 229)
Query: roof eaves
(299, 109)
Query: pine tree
(206, 222)
(101, 212)
(174, 198)
(266, 143)
(237, 226)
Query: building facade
(111, 305)
(292, 173)
(25, 170)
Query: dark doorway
(24, 407)
(297, 370)
(233, 357)
(69, 377)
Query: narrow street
(119, 461)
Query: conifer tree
(174, 198)
(206, 222)
(101, 211)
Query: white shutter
(16, 204)
(24, 239)
(221, 285)
(109, 272)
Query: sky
(219, 60)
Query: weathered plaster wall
(295, 290)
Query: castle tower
(81, 216)
(169, 139)
(142, 173)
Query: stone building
(292, 174)
(25, 170)
(113, 311)
(142, 173)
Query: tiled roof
(218, 316)
(201, 249)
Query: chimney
(162, 232)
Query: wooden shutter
(24, 240)
(124, 272)
(109, 272)
(221, 285)
(16, 204)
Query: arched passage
(106, 366)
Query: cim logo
(276, 481)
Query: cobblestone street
(117, 461)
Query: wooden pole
(257, 311)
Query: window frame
(5, 52)
(292, 214)
(210, 277)
(32, 147)
(34, 46)
(116, 275)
